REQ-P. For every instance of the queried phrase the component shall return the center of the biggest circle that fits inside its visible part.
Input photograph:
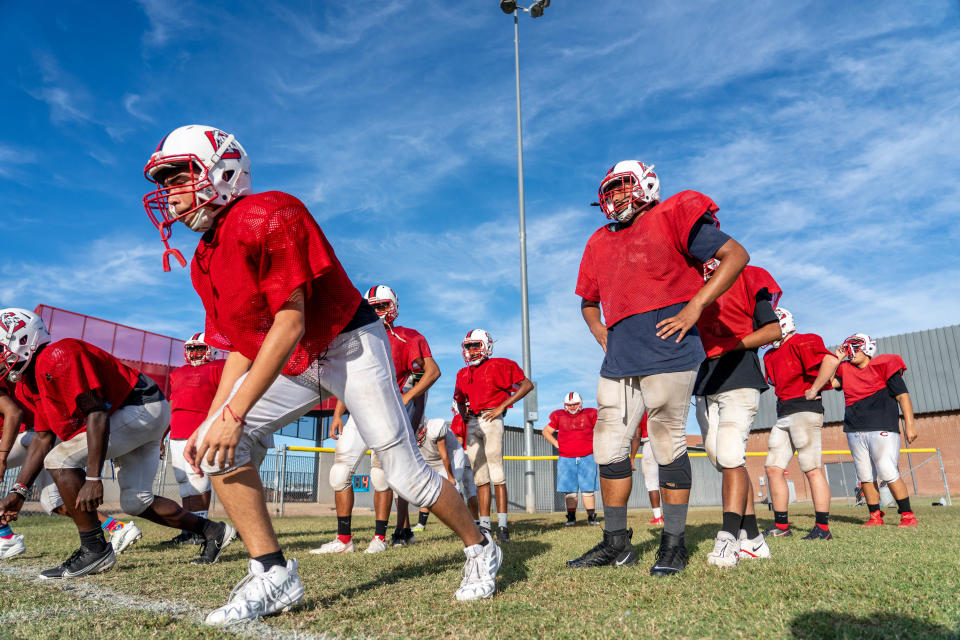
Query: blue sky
(826, 132)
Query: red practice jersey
(459, 428)
(407, 346)
(574, 432)
(261, 249)
(729, 319)
(191, 391)
(859, 384)
(642, 428)
(8, 389)
(487, 384)
(646, 266)
(793, 366)
(65, 370)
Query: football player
(278, 299)
(100, 409)
(791, 367)
(875, 395)
(192, 388)
(490, 386)
(411, 360)
(443, 452)
(649, 469)
(576, 470)
(644, 270)
(728, 390)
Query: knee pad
(135, 502)
(677, 474)
(570, 496)
(379, 480)
(495, 470)
(887, 472)
(340, 476)
(809, 460)
(616, 470)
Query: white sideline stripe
(88, 591)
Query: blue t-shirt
(633, 348)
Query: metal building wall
(933, 375)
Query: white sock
(657, 513)
(485, 522)
(201, 514)
(501, 519)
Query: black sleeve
(89, 402)
(763, 313)
(705, 238)
(896, 385)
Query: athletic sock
(674, 518)
(501, 519)
(485, 522)
(731, 523)
(749, 524)
(614, 518)
(380, 528)
(93, 540)
(201, 514)
(781, 520)
(6, 532)
(344, 527)
(571, 515)
(657, 512)
(209, 529)
(873, 507)
(422, 520)
(903, 506)
(274, 559)
(823, 519)
(111, 524)
(591, 514)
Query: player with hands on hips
(490, 386)
(643, 270)
(874, 395)
(571, 431)
(298, 331)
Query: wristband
(21, 490)
(227, 409)
(91, 478)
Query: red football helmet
(384, 301)
(477, 347)
(628, 188)
(196, 351)
(573, 403)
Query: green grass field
(866, 583)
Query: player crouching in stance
(192, 388)
(490, 386)
(728, 390)
(873, 387)
(444, 454)
(644, 268)
(576, 469)
(792, 365)
(276, 296)
(409, 351)
(100, 409)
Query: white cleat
(751, 548)
(335, 546)
(12, 546)
(121, 540)
(480, 570)
(376, 545)
(726, 551)
(261, 593)
(418, 527)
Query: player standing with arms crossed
(276, 296)
(645, 270)
(576, 469)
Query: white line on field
(91, 592)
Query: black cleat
(671, 556)
(776, 532)
(402, 538)
(83, 562)
(211, 548)
(503, 535)
(818, 534)
(614, 550)
(185, 537)
(592, 520)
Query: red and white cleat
(655, 522)
(876, 519)
(908, 519)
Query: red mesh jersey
(191, 391)
(488, 384)
(459, 428)
(262, 248)
(8, 389)
(406, 346)
(642, 428)
(793, 366)
(574, 432)
(65, 370)
(645, 266)
(730, 318)
(859, 383)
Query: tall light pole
(530, 401)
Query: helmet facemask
(629, 189)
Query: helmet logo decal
(12, 322)
(216, 139)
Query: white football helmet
(787, 326)
(196, 351)
(219, 172)
(384, 301)
(628, 188)
(477, 347)
(573, 403)
(709, 267)
(21, 334)
(859, 342)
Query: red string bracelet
(226, 409)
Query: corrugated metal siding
(933, 375)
